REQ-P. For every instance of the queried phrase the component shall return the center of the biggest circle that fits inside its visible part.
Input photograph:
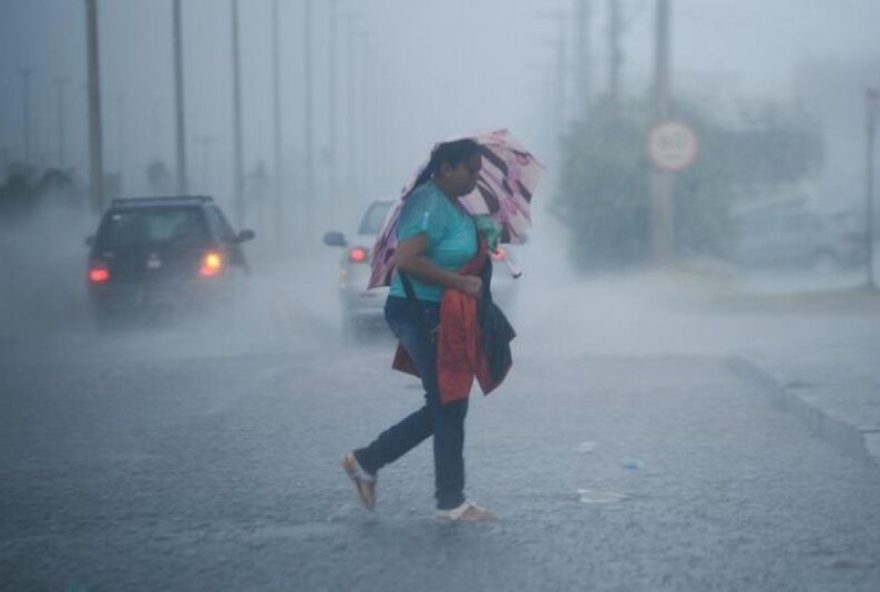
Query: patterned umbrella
(504, 192)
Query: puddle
(848, 563)
(586, 447)
(596, 497)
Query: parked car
(162, 252)
(362, 309)
(798, 238)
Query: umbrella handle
(514, 269)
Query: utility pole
(96, 163)
(661, 61)
(238, 167)
(583, 63)
(872, 99)
(59, 91)
(662, 206)
(26, 74)
(309, 197)
(182, 185)
(276, 110)
(615, 56)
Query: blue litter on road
(632, 463)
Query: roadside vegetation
(25, 191)
(604, 190)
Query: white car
(362, 309)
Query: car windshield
(375, 216)
(133, 227)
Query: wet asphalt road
(157, 463)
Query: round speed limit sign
(672, 146)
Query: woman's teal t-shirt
(451, 234)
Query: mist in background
(407, 74)
(434, 69)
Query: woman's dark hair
(451, 153)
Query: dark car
(362, 308)
(162, 252)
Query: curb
(845, 437)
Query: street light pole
(59, 87)
(561, 87)
(351, 179)
(872, 97)
(96, 163)
(309, 197)
(120, 137)
(238, 167)
(182, 184)
(331, 100)
(365, 98)
(276, 109)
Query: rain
(694, 399)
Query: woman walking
(436, 239)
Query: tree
(25, 191)
(604, 189)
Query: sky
(433, 69)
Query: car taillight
(98, 274)
(498, 255)
(211, 264)
(357, 254)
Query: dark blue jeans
(444, 422)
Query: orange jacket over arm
(473, 340)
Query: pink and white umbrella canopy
(504, 190)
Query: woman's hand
(471, 285)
